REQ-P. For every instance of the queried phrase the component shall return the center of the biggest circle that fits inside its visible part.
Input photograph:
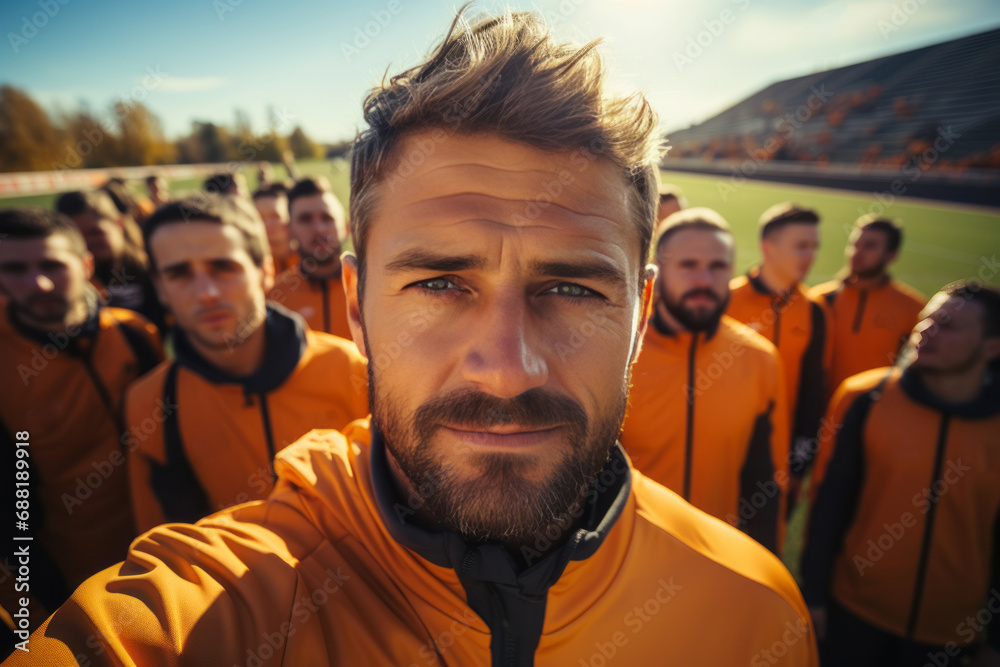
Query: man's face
(867, 253)
(209, 282)
(695, 268)
(949, 338)
(500, 317)
(105, 235)
(44, 278)
(157, 188)
(274, 212)
(791, 250)
(317, 227)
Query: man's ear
(645, 311)
(349, 262)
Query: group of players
(744, 386)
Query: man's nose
(505, 358)
(205, 288)
(43, 282)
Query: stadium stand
(883, 113)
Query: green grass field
(942, 242)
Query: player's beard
(873, 272)
(692, 320)
(499, 501)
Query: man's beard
(500, 502)
(873, 272)
(691, 320)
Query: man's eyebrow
(174, 266)
(592, 270)
(431, 261)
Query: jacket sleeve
(836, 503)
(812, 392)
(186, 595)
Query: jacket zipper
(925, 547)
(859, 314)
(689, 431)
(325, 287)
(265, 418)
(102, 391)
(777, 322)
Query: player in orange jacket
(697, 365)
(772, 300)
(248, 379)
(313, 288)
(901, 561)
(65, 361)
(486, 515)
(870, 314)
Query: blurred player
(671, 201)
(771, 299)
(708, 415)
(313, 288)
(870, 314)
(227, 183)
(247, 379)
(158, 191)
(272, 204)
(901, 560)
(65, 361)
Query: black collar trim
(984, 406)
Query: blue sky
(313, 61)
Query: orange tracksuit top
(203, 440)
(797, 327)
(707, 418)
(328, 571)
(322, 303)
(866, 327)
(905, 526)
(65, 389)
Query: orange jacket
(866, 327)
(328, 571)
(707, 418)
(322, 303)
(905, 527)
(797, 327)
(65, 389)
(204, 440)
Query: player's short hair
(986, 296)
(508, 77)
(219, 209)
(893, 229)
(270, 190)
(220, 183)
(669, 191)
(39, 223)
(784, 214)
(309, 187)
(690, 218)
(152, 178)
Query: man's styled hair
(507, 76)
(781, 215)
(270, 190)
(690, 218)
(38, 223)
(308, 187)
(893, 229)
(218, 209)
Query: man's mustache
(468, 409)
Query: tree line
(129, 134)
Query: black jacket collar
(983, 406)
(72, 340)
(285, 343)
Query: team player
(772, 300)
(248, 378)
(901, 560)
(870, 315)
(485, 515)
(314, 288)
(671, 201)
(65, 361)
(272, 205)
(707, 411)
